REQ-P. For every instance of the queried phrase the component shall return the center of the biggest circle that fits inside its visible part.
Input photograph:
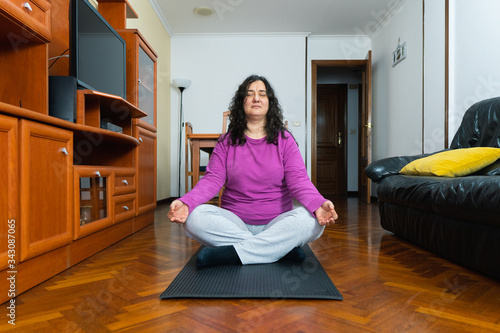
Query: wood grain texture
(45, 188)
(388, 286)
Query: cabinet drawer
(124, 206)
(124, 181)
(31, 15)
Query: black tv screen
(97, 51)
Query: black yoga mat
(284, 279)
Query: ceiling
(315, 17)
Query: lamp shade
(181, 83)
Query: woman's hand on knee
(326, 214)
(178, 212)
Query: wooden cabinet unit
(69, 189)
(141, 75)
(46, 161)
(141, 92)
(8, 191)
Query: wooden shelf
(79, 129)
(115, 102)
(95, 107)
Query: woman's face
(256, 103)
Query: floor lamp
(181, 84)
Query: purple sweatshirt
(260, 180)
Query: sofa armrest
(389, 166)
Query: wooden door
(330, 139)
(46, 181)
(146, 171)
(8, 192)
(365, 131)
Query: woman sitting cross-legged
(259, 163)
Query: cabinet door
(46, 188)
(93, 204)
(147, 84)
(8, 192)
(146, 171)
(30, 17)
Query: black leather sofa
(457, 218)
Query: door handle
(27, 6)
(340, 138)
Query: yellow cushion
(453, 163)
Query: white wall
(217, 64)
(397, 91)
(434, 76)
(474, 56)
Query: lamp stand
(181, 84)
(181, 121)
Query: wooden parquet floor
(388, 286)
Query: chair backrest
(225, 116)
(480, 126)
(188, 149)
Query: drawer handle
(125, 182)
(125, 207)
(98, 174)
(27, 6)
(64, 151)
(140, 139)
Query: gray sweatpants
(214, 226)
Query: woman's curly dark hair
(238, 121)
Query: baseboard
(166, 201)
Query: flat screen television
(98, 53)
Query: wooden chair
(189, 157)
(225, 116)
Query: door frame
(361, 64)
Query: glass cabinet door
(93, 206)
(146, 86)
(93, 203)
